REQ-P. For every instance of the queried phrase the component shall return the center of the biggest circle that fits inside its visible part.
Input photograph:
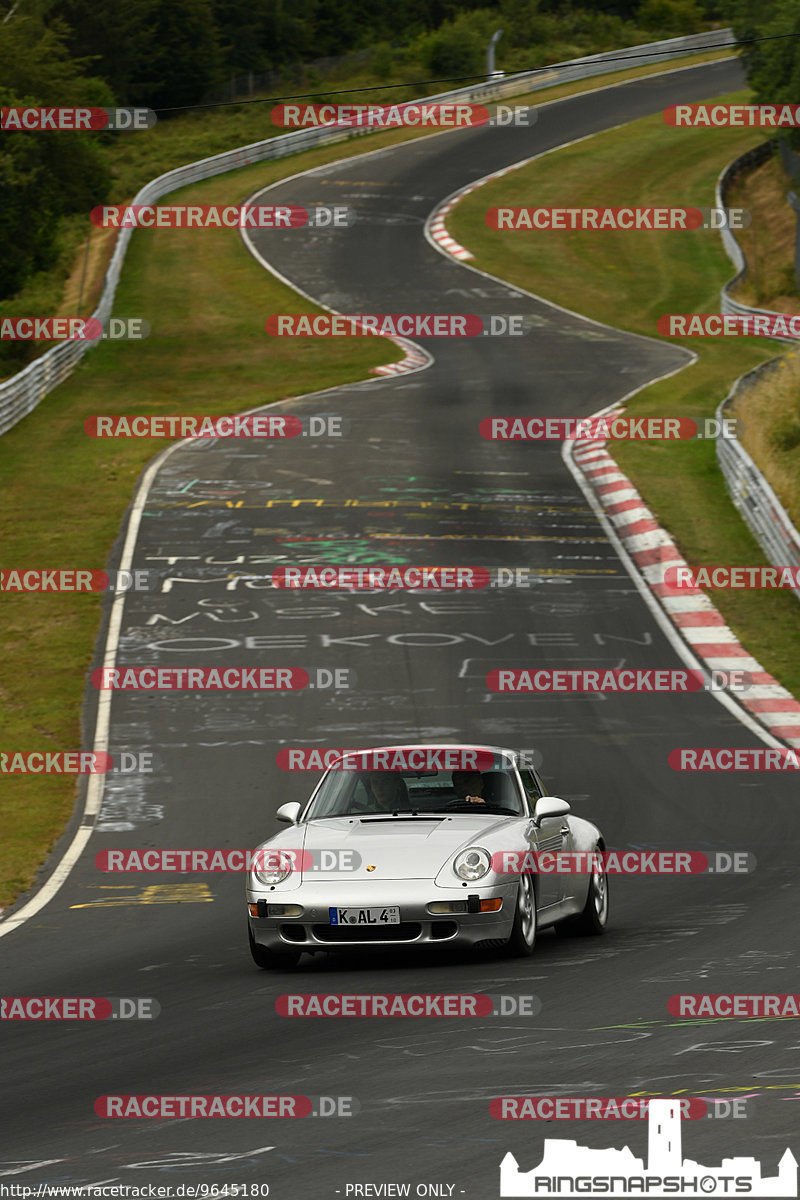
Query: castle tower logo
(568, 1169)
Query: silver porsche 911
(415, 845)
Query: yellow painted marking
(447, 505)
(157, 893)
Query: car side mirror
(288, 813)
(547, 806)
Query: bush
(458, 47)
(670, 16)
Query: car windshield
(365, 793)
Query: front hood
(397, 847)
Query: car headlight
(472, 864)
(273, 867)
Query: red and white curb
(416, 358)
(435, 228)
(438, 231)
(694, 616)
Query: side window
(531, 787)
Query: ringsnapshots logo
(616, 219)
(567, 1169)
(22, 120)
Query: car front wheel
(594, 918)
(523, 931)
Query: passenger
(389, 790)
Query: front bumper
(419, 927)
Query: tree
(773, 67)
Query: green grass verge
(64, 495)
(628, 280)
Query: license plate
(364, 916)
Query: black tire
(594, 918)
(269, 961)
(523, 932)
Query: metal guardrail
(747, 161)
(757, 503)
(21, 393)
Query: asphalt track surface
(411, 482)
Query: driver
(468, 786)
(388, 789)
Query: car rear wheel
(523, 931)
(594, 918)
(267, 959)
